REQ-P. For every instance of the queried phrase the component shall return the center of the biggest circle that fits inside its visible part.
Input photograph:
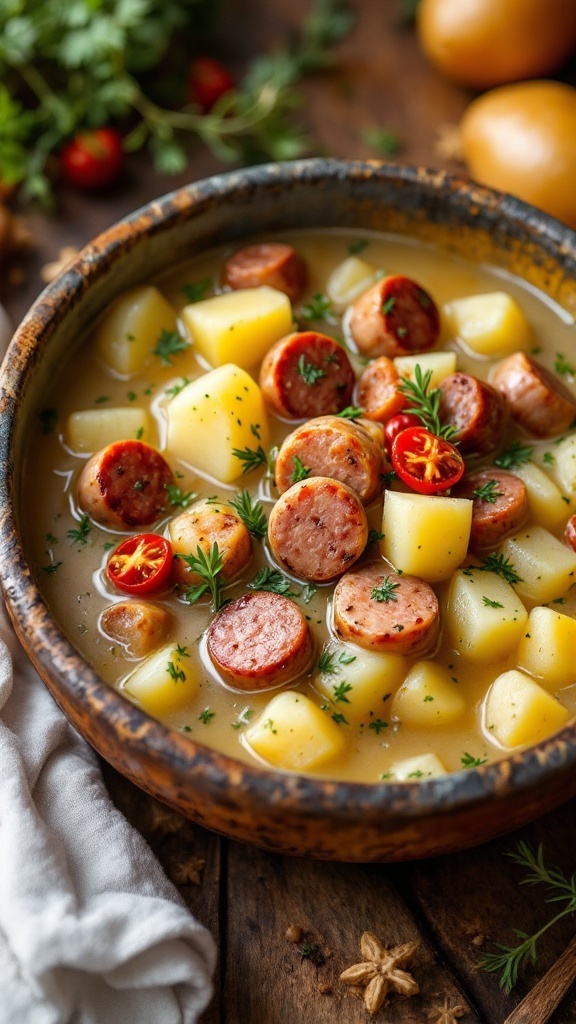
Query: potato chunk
(518, 711)
(214, 415)
(416, 769)
(545, 501)
(425, 536)
(440, 364)
(131, 328)
(238, 327)
(484, 615)
(565, 464)
(89, 430)
(428, 697)
(546, 566)
(359, 682)
(548, 648)
(491, 324)
(348, 280)
(165, 682)
(294, 733)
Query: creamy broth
(71, 573)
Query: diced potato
(212, 416)
(294, 733)
(428, 697)
(564, 469)
(548, 648)
(358, 682)
(484, 615)
(348, 280)
(545, 499)
(165, 682)
(491, 324)
(131, 327)
(546, 566)
(92, 429)
(441, 364)
(415, 769)
(238, 327)
(518, 711)
(425, 536)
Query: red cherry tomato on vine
(141, 564)
(425, 462)
(395, 424)
(92, 159)
(208, 80)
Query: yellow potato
(491, 324)
(348, 280)
(546, 566)
(518, 711)
(428, 697)
(548, 648)
(131, 328)
(441, 364)
(545, 501)
(425, 536)
(214, 416)
(564, 469)
(416, 769)
(358, 682)
(484, 615)
(89, 430)
(164, 683)
(238, 326)
(294, 733)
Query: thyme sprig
(251, 513)
(209, 568)
(425, 403)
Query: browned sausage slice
(570, 533)
(476, 409)
(394, 317)
(317, 529)
(377, 390)
(272, 263)
(538, 401)
(204, 524)
(139, 626)
(334, 447)
(259, 641)
(306, 374)
(125, 484)
(381, 610)
(499, 505)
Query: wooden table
(455, 906)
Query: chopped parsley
(300, 471)
(515, 455)
(177, 388)
(488, 603)
(562, 366)
(179, 498)
(79, 534)
(310, 374)
(169, 344)
(319, 308)
(469, 761)
(206, 716)
(385, 592)
(209, 568)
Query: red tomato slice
(141, 564)
(395, 424)
(425, 462)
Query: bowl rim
(463, 789)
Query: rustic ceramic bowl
(287, 813)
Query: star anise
(164, 820)
(189, 871)
(448, 1013)
(381, 971)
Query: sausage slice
(272, 263)
(499, 505)
(538, 401)
(306, 374)
(382, 610)
(476, 409)
(377, 390)
(569, 537)
(317, 529)
(139, 626)
(334, 447)
(125, 484)
(394, 317)
(259, 641)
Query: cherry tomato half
(208, 80)
(141, 564)
(92, 159)
(395, 424)
(425, 462)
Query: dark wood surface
(456, 906)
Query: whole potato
(522, 139)
(484, 43)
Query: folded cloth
(91, 929)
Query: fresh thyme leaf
(469, 761)
(300, 471)
(385, 592)
(310, 374)
(425, 404)
(209, 568)
(514, 455)
(176, 674)
(351, 412)
(488, 492)
(251, 459)
(251, 513)
(377, 724)
(339, 692)
(179, 498)
(326, 662)
(177, 388)
(169, 344)
(374, 536)
(488, 603)
(502, 565)
(319, 308)
(562, 366)
(196, 290)
(274, 581)
(79, 534)
(206, 716)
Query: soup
(472, 663)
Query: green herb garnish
(425, 404)
(385, 592)
(169, 344)
(196, 290)
(179, 498)
(310, 374)
(251, 459)
(251, 513)
(300, 471)
(514, 455)
(79, 534)
(488, 492)
(468, 761)
(502, 565)
(319, 308)
(209, 568)
(274, 581)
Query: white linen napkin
(91, 929)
